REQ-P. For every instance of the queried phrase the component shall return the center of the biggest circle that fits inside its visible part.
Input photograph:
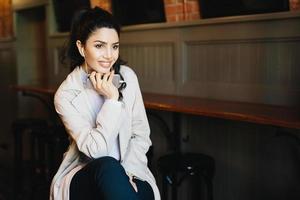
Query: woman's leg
(104, 179)
(145, 191)
(80, 187)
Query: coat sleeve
(140, 142)
(94, 142)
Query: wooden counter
(280, 116)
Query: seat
(48, 148)
(47, 143)
(176, 167)
(20, 128)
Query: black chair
(47, 143)
(48, 148)
(177, 166)
(20, 127)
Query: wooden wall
(31, 56)
(8, 99)
(249, 59)
(254, 60)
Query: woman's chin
(104, 70)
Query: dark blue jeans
(106, 179)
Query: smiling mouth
(105, 64)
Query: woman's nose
(108, 53)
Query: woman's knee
(105, 161)
(106, 165)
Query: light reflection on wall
(105, 4)
(5, 19)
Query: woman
(107, 124)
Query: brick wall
(294, 5)
(175, 10)
(181, 10)
(105, 4)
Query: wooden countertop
(256, 113)
(280, 116)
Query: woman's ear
(80, 48)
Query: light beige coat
(90, 136)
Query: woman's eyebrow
(100, 41)
(105, 42)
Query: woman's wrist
(114, 97)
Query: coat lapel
(80, 102)
(81, 105)
(124, 133)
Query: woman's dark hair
(84, 23)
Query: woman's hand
(102, 83)
(133, 183)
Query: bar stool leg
(209, 187)
(174, 187)
(164, 187)
(18, 146)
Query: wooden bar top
(34, 89)
(280, 116)
(256, 113)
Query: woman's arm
(94, 142)
(140, 142)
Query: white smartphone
(117, 80)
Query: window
(138, 11)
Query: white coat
(90, 133)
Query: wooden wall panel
(58, 70)
(252, 60)
(264, 71)
(8, 100)
(153, 63)
(31, 46)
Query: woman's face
(101, 50)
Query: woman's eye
(98, 46)
(116, 47)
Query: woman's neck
(86, 68)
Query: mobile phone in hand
(117, 80)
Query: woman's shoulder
(128, 73)
(70, 83)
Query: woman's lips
(104, 64)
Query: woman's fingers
(99, 81)
(92, 77)
(103, 84)
(105, 77)
(111, 76)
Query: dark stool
(47, 145)
(48, 149)
(19, 128)
(176, 167)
